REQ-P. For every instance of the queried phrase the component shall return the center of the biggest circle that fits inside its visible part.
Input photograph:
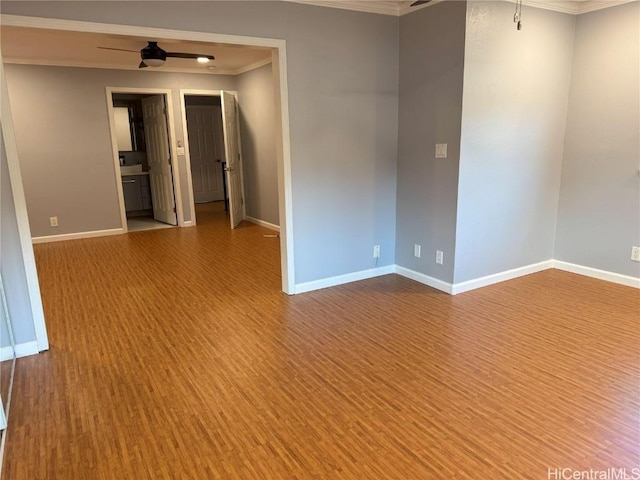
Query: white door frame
(283, 144)
(172, 146)
(205, 93)
(20, 203)
(185, 92)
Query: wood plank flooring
(174, 355)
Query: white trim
(3, 441)
(185, 141)
(177, 190)
(21, 349)
(77, 235)
(342, 279)
(6, 353)
(116, 160)
(22, 218)
(253, 66)
(500, 277)
(424, 279)
(175, 171)
(262, 223)
(599, 274)
(407, 8)
(593, 5)
(283, 157)
(574, 7)
(189, 223)
(138, 31)
(393, 8)
(135, 68)
(369, 6)
(283, 142)
(187, 150)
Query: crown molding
(382, 7)
(593, 5)
(572, 7)
(399, 8)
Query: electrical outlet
(417, 250)
(376, 251)
(439, 257)
(53, 221)
(635, 254)
(441, 150)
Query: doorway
(212, 141)
(285, 181)
(205, 141)
(140, 138)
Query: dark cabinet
(137, 193)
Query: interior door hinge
(169, 160)
(174, 209)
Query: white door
(159, 159)
(232, 154)
(206, 151)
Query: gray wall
(257, 115)
(63, 137)
(343, 100)
(599, 214)
(11, 261)
(431, 72)
(516, 87)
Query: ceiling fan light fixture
(153, 62)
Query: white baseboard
(76, 236)
(500, 277)
(262, 223)
(21, 349)
(424, 279)
(595, 273)
(342, 279)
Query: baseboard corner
(342, 279)
(597, 273)
(425, 279)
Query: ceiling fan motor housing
(153, 55)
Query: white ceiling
(59, 47)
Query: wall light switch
(441, 150)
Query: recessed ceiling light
(203, 60)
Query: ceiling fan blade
(143, 65)
(119, 49)
(419, 2)
(189, 55)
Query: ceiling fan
(154, 56)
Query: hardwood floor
(175, 355)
